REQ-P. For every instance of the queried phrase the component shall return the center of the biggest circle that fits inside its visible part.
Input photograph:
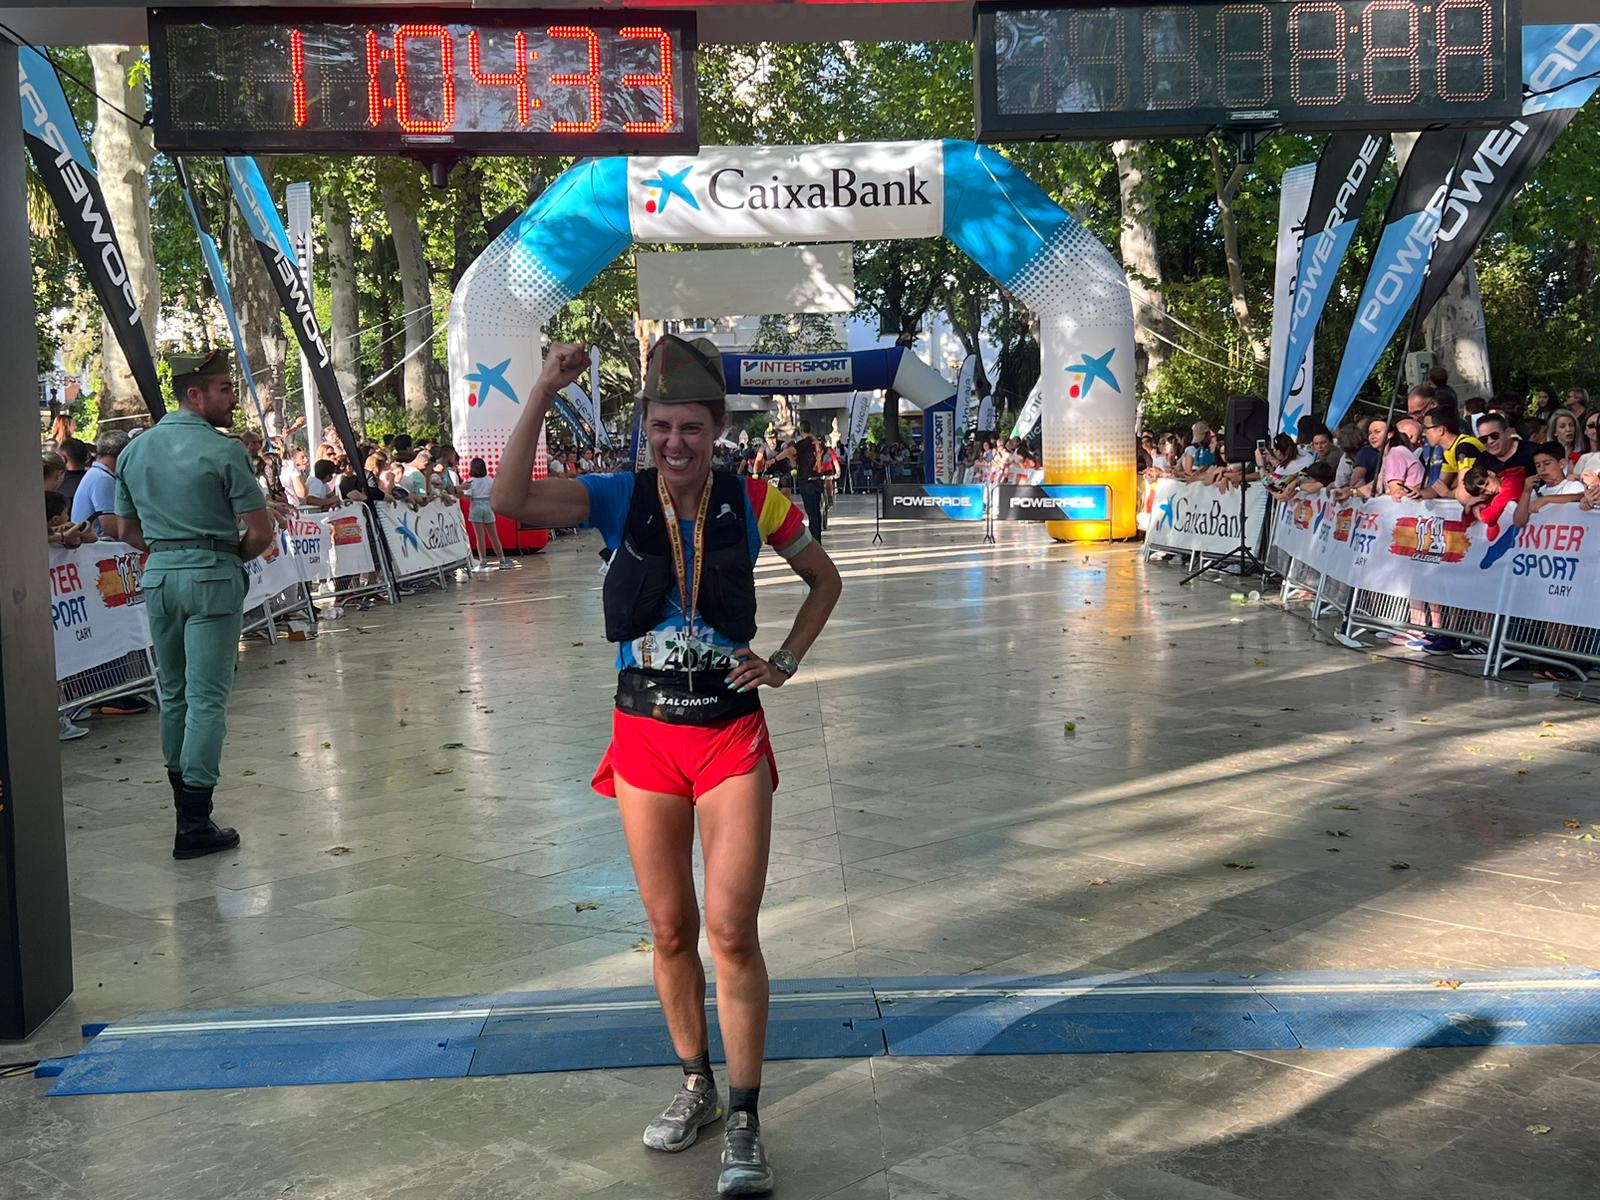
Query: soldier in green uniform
(184, 487)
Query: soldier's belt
(204, 543)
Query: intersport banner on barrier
(425, 538)
(316, 546)
(50, 132)
(1197, 516)
(96, 605)
(1546, 571)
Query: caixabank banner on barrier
(1198, 516)
(1547, 570)
(1051, 502)
(933, 502)
(425, 538)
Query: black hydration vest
(641, 575)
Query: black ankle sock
(745, 1100)
(700, 1064)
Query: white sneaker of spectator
(69, 731)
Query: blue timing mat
(589, 1029)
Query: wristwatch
(786, 662)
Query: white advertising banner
(1199, 516)
(274, 571)
(965, 382)
(1292, 205)
(734, 283)
(840, 192)
(1546, 571)
(426, 538)
(316, 546)
(812, 373)
(96, 605)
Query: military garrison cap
(684, 372)
(213, 362)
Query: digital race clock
(1130, 70)
(416, 81)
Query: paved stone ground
(935, 817)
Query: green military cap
(684, 372)
(213, 362)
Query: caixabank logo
(786, 192)
(1431, 539)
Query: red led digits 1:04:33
(512, 81)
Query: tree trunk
(345, 318)
(255, 302)
(1227, 189)
(416, 297)
(1456, 336)
(1141, 258)
(122, 152)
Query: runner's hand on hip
(752, 671)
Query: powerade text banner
(868, 190)
(1197, 516)
(424, 539)
(1346, 172)
(1497, 162)
(932, 502)
(1288, 402)
(1398, 264)
(1051, 502)
(272, 240)
(1547, 571)
(96, 605)
(50, 132)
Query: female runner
(688, 735)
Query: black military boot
(197, 832)
(176, 780)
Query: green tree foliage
(1537, 268)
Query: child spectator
(482, 516)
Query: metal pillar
(35, 929)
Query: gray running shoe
(745, 1170)
(694, 1107)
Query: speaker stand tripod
(1248, 562)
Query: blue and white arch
(858, 191)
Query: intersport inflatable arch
(845, 192)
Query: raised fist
(564, 362)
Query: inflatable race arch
(846, 192)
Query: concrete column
(35, 929)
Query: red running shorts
(682, 760)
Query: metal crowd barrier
(1507, 641)
(133, 674)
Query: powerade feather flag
(1399, 263)
(1346, 172)
(266, 226)
(1559, 65)
(50, 132)
(219, 282)
(965, 383)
